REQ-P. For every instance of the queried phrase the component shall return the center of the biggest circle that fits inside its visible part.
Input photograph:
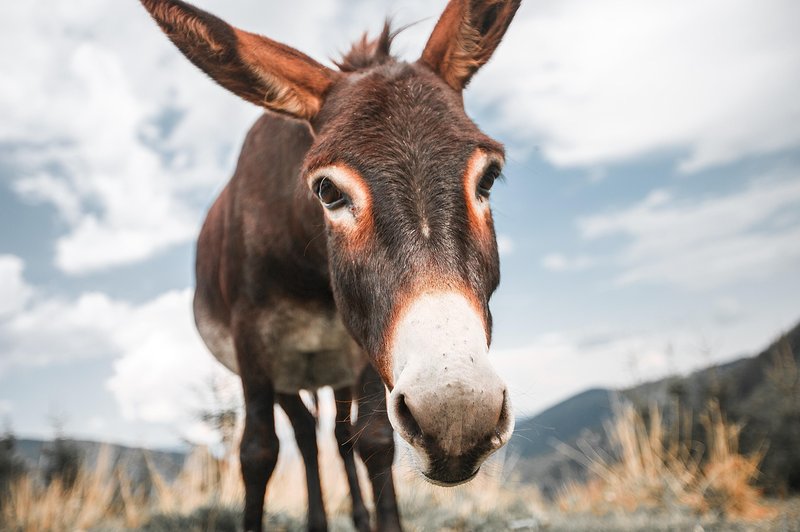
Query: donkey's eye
(330, 196)
(487, 180)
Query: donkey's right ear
(258, 69)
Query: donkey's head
(403, 177)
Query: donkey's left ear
(466, 36)
(258, 69)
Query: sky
(648, 223)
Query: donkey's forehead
(395, 114)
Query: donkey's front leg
(376, 447)
(347, 442)
(258, 452)
(305, 432)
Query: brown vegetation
(656, 468)
(655, 471)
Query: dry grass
(105, 497)
(655, 470)
(658, 470)
(89, 501)
(494, 500)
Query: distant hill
(760, 392)
(34, 454)
(563, 422)
(535, 438)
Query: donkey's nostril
(408, 424)
(505, 423)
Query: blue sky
(649, 222)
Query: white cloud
(86, 105)
(120, 133)
(706, 243)
(558, 364)
(161, 369)
(505, 245)
(556, 262)
(595, 82)
(14, 291)
(76, 119)
(96, 424)
(84, 102)
(59, 330)
(728, 309)
(45, 188)
(163, 372)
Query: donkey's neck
(275, 225)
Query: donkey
(354, 248)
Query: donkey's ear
(466, 36)
(258, 69)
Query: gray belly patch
(304, 370)
(304, 348)
(315, 349)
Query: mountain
(565, 421)
(536, 438)
(762, 393)
(38, 455)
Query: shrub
(657, 467)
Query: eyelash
(488, 179)
(324, 185)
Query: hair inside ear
(489, 19)
(466, 36)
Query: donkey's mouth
(447, 483)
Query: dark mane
(366, 53)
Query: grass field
(654, 481)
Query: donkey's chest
(310, 349)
